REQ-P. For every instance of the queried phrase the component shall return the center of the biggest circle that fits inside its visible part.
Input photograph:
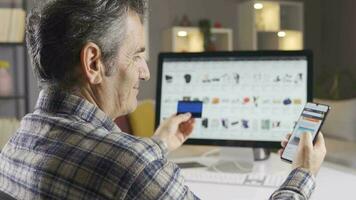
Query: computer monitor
(250, 98)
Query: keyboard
(251, 179)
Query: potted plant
(337, 88)
(205, 29)
(5, 79)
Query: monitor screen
(249, 98)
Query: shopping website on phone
(310, 121)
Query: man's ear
(90, 62)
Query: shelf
(13, 49)
(292, 40)
(12, 25)
(12, 44)
(190, 39)
(271, 25)
(279, 15)
(268, 18)
(11, 97)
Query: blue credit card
(193, 107)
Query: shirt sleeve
(160, 179)
(162, 145)
(299, 186)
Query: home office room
(177, 99)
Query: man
(89, 58)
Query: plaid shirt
(69, 149)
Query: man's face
(123, 84)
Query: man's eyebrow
(140, 50)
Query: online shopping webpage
(257, 100)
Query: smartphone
(311, 120)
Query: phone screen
(311, 119)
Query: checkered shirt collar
(55, 101)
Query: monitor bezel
(235, 143)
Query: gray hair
(57, 31)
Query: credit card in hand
(193, 107)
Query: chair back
(142, 120)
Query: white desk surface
(333, 181)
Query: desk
(333, 182)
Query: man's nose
(144, 72)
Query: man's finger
(177, 119)
(284, 143)
(320, 142)
(191, 121)
(186, 128)
(280, 152)
(288, 136)
(306, 140)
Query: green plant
(205, 29)
(336, 84)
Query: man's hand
(308, 156)
(175, 130)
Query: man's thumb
(306, 140)
(182, 118)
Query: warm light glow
(182, 33)
(258, 6)
(281, 34)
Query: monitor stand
(238, 160)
